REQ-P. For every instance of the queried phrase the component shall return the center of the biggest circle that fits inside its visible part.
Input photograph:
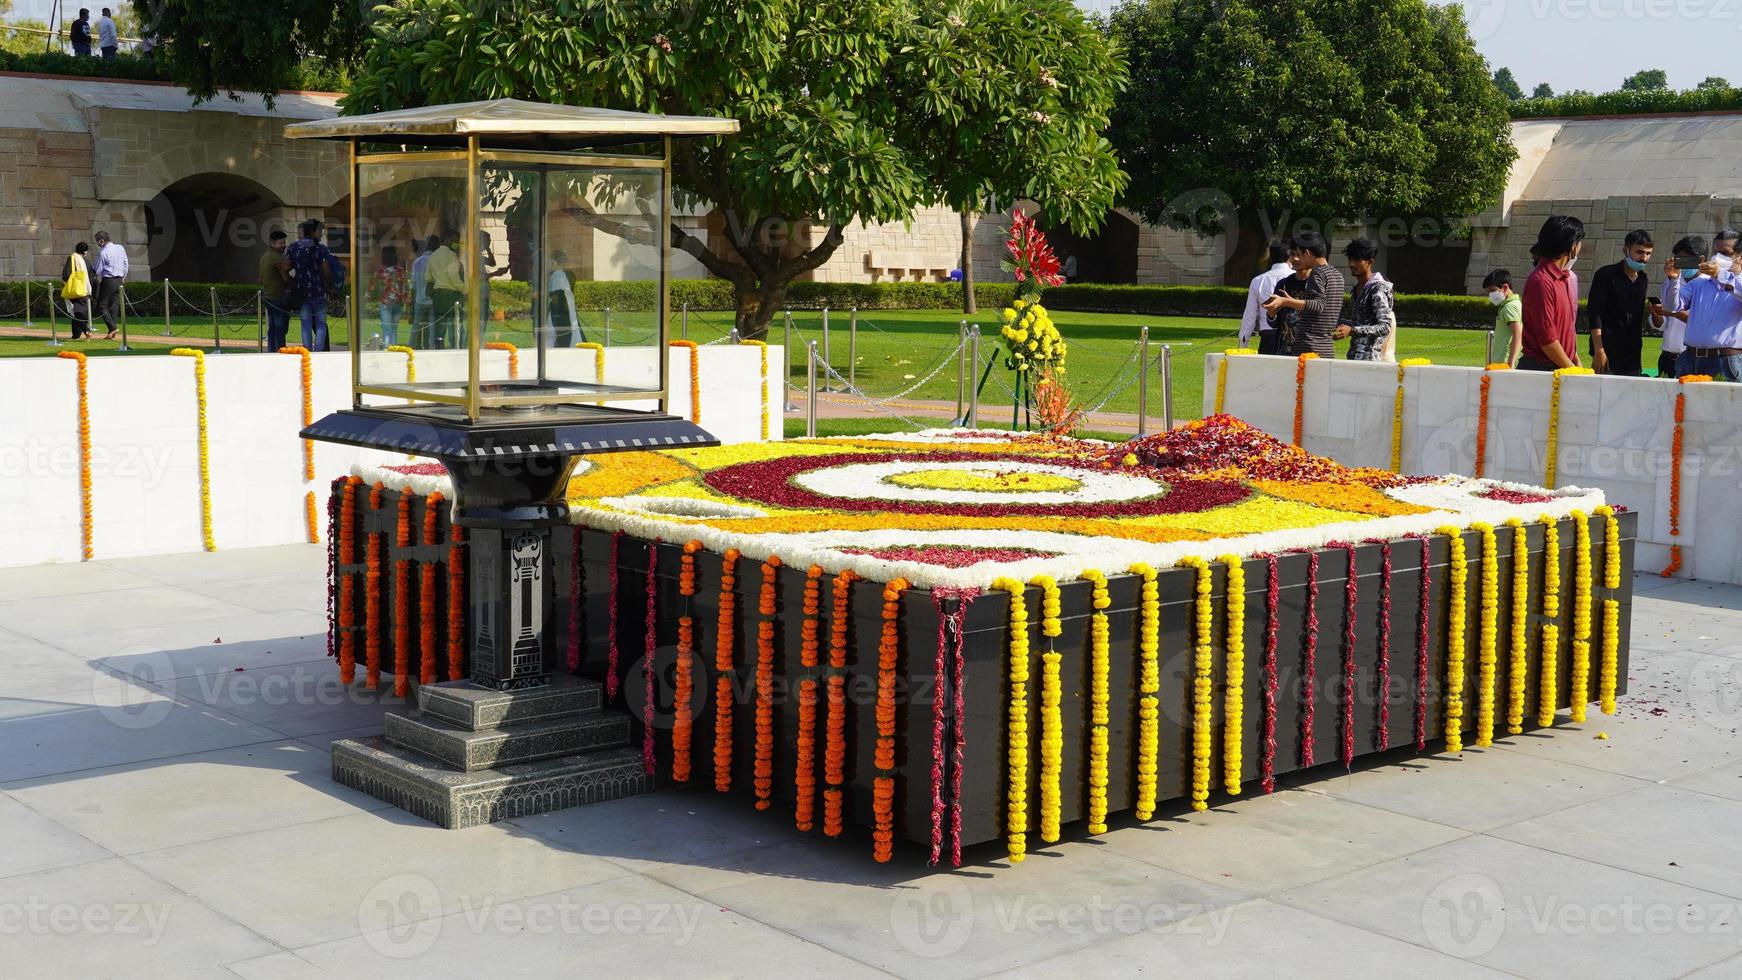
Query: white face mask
(1496, 297)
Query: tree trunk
(968, 305)
(757, 305)
(1247, 252)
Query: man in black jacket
(1617, 309)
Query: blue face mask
(1689, 273)
(1635, 266)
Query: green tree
(1240, 110)
(18, 37)
(1543, 90)
(1508, 85)
(1713, 83)
(262, 48)
(851, 110)
(1651, 80)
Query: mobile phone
(1654, 301)
(1687, 261)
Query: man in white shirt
(106, 40)
(1254, 319)
(420, 293)
(110, 273)
(1674, 318)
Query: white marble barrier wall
(145, 453)
(1615, 433)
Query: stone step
(468, 751)
(474, 708)
(468, 799)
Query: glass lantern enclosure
(508, 255)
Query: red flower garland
(613, 655)
(723, 666)
(402, 598)
(651, 649)
(768, 607)
(1384, 737)
(456, 603)
(683, 688)
(1272, 595)
(835, 750)
(944, 715)
(372, 602)
(1309, 657)
(1351, 597)
(805, 775)
(334, 495)
(575, 593)
(1421, 648)
(959, 709)
(939, 727)
(883, 786)
(426, 594)
(346, 582)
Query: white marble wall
(145, 454)
(1615, 433)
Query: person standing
(274, 283)
(1508, 313)
(75, 289)
(313, 270)
(1724, 249)
(559, 298)
(1369, 321)
(419, 294)
(1320, 304)
(1617, 309)
(390, 287)
(1675, 319)
(1714, 336)
(111, 275)
(447, 290)
(1263, 286)
(1551, 299)
(81, 34)
(106, 40)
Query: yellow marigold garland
(1488, 641)
(763, 345)
(1234, 692)
(1222, 375)
(1519, 669)
(1610, 666)
(1099, 695)
(1397, 412)
(1554, 423)
(1016, 756)
(1457, 577)
(1202, 684)
(86, 536)
(410, 361)
(1551, 632)
(598, 359)
(1148, 687)
(199, 357)
(1579, 684)
(1052, 740)
(308, 446)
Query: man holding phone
(1714, 318)
(1617, 309)
(1318, 306)
(1682, 268)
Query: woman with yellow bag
(76, 291)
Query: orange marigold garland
(426, 594)
(513, 355)
(1675, 473)
(372, 601)
(683, 687)
(347, 556)
(723, 667)
(85, 535)
(456, 603)
(768, 607)
(1300, 393)
(402, 597)
(883, 787)
(835, 749)
(805, 771)
(1482, 419)
(695, 378)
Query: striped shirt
(1314, 325)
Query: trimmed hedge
(311, 75)
(1629, 103)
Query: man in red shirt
(1551, 298)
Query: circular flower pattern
(986, 479)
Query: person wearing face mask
(1617, 309)
(1724, 249)
(1551, 297)
(1508, 313)
(1714, 316)
(1675, 319)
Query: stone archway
(210, 227)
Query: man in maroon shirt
(1551, 298)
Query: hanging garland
(947, 682)
(1457, 621)
(576, 593)
(723, 643)
(410, 361)
(199, 357)
(1222, 375)
(426, 594)
(1016, 756)
(1554, 423)
(1202, 681)
(1482, 418)
(683, 686)
(1551, 632)
(1519, 670)
(1397, 412)
(1272, 594)
(1052, 740)
(805, 775)
(695, 378)
(1234, 671)
(1610, 666)
(402, 597)
(1421, 644)
(335, 495)
(835, 750)
(959, 715)
(598, 359)
(1383, 741)
(85, 525)
(1309, 663)
(763, 351)
(1579, 685)
(1099, 694)
(372, 599)
(513, 356)
(308, 446)
(649, 651)
(1488, 635)
(1148, 688)
(1675, 472)
(1300, 393)
(767, 606)
(613, 655)
(883, 785)
(1351, 599)
(456, 603)
(347, 557)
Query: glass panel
(411, 278)
(574, 263)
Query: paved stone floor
(165, 812)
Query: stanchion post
(27, 322)
(810, 387)
(260, 321)
(973, 369)
(607, 341)
(1142, 382)
(166, 329)
(853, 350)
(1490, 348)
(686, 322)
(123, 312)
(1167, 387)
(826, 360)
(53, 331)
(962, 370)
(786, 368)
(217, 340)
